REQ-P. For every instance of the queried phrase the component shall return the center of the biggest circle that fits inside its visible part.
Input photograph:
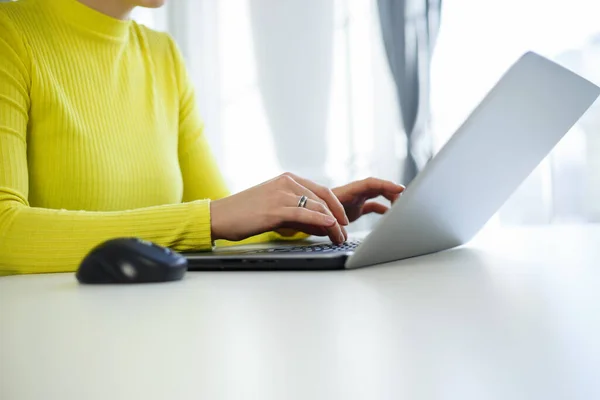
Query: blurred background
(337, 90)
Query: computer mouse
(131, 260)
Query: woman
(100, 138)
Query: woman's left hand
(355, 196)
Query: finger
(311, 230)
(336, 231)
(308, 229)
(392, 197)
(374, 207)
(305, 216)
(298, 215)
(326, 195)
(368, 195)
(383, 185)
(296, 190)
(372, 186)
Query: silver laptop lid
(516, 125)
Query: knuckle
(330, 193)
(321, 190)
(322, 208)
(285, 180)
(287, 176)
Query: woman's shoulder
(159, 43)
(164, 51)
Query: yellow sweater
(99, 138)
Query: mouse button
(134, 256)
(164, 250)
(167, 255)
(149, 245)
(152, 250)
(160, 257)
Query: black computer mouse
(131, 260)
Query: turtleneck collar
(90, 20)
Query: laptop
(515, 126)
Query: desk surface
(515, 315)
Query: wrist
(215, 218)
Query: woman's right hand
(274, 205)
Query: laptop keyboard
(313, 248)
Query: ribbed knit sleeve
(38, 240)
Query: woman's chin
(150, 3)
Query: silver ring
(302, 202)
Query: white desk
(510, 317)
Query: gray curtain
(409, 29)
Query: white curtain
(354, 101)
(293, 54)
(478, 41)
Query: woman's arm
(36, 240)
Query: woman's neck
(118, 9)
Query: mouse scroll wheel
(128, 270)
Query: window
(478, 42)
(361, 108)
(361, 134)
